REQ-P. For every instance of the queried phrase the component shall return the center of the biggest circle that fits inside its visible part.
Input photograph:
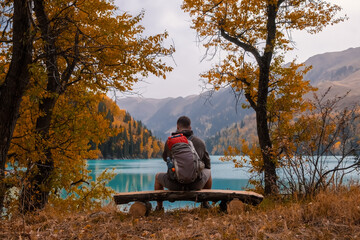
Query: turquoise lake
(139, 175)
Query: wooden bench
(214, 195)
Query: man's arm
(200, 148)
(206, 159)
(165, 152)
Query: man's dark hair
(184, 122)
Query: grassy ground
(331, 215)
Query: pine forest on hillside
(134, 140)
(232, 135)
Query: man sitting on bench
(167, 180)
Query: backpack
(184, 165)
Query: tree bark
(14, 86)
(263, 131)
(35, 194)
(270, 176)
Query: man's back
(199, 146)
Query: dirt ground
(327, 216)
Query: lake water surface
(139, 175)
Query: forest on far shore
(133, 139)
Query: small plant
(324, 148)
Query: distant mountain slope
(131, 140)
(338, 69)
(141, 108)
(210, 115)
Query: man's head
(183, 123)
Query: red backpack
(185, 165)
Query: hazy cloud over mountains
(210, 114)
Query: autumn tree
(85, 46)
(75, 122)
(255, 35)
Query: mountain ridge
(211, 112)
(204, 112)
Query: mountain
(334, 67)
(211, 112)
(340, 70)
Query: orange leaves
(248, 35)
(81, 49)
(254, 34)
(107, 48)
(247, 20)
(75, 122)
(311, 16)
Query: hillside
(132, 138)
(340, 70)
(335, 67)
(212, 113)
(229, 136)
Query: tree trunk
(35, 194)
(270, 177)
(14, 86)
(263, 132)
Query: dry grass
(331, 215)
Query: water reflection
(132, 182)
(139, 174)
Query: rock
(140, 209)
(235, 207)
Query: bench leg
(148, 208)
(223, 205)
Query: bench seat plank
(197, 196)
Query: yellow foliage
(74, 124)
(246, 20)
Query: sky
(187, 61)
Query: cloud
(161, 15)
